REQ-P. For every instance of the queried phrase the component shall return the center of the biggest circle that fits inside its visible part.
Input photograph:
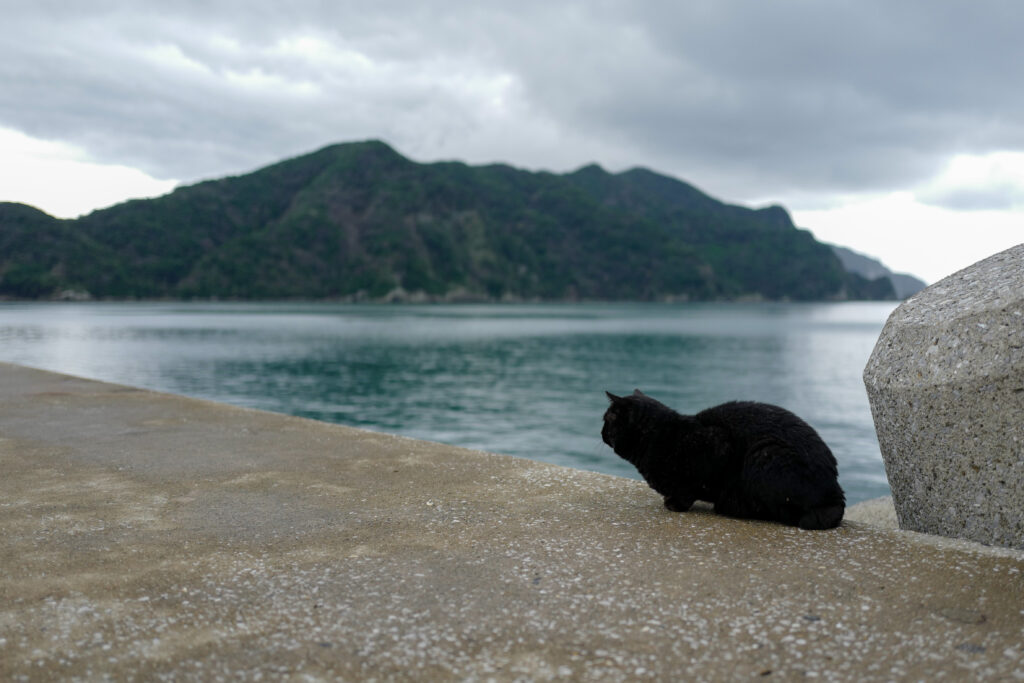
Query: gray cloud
(994, 197)
(749, 99)
(830, 95)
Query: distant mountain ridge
(905, 285)
(360, 222)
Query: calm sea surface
(526, 380)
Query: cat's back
(751, 422)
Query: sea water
(520, 379)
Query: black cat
(751, 460)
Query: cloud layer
(753, 99)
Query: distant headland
(360, 222)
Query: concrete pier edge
(151, 536)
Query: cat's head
(623, 421)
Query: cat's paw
(822, 518)
(677, 504)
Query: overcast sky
(894, 128)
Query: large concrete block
(946, 385)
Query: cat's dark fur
(751, 460)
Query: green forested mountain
(359, 221)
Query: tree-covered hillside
(358, 221)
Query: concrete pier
(145, 536)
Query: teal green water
(525, 380)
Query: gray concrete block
(946, 386)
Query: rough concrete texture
(878, 512)
(152, 537)
(946, 386)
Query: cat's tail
(822, 518)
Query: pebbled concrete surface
(145, 536)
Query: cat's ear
(612, 397)
(637, 392)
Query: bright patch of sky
(60, 178)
